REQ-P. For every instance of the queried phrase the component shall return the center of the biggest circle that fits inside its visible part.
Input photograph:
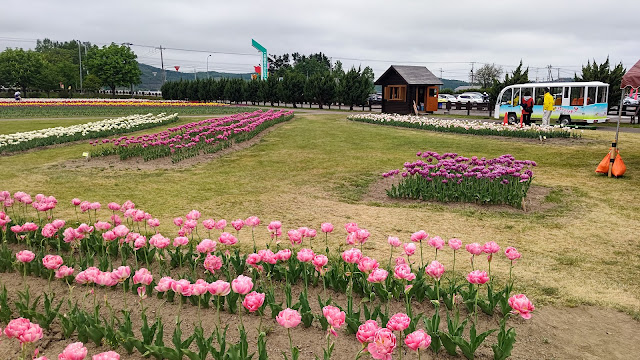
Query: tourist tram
(574, 102)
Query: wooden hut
(402, 86)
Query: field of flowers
(454, 178)
(192, 139)
(467, 126)
(31, 139)
(118, 247)
(108, 107)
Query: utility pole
(558, 73)
(80, 61)
(549, 74)
(164, 74)
(195, 73)
(472, 75)
(440, 73)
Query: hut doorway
(420, 99)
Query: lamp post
(208, 65)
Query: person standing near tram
(547, 107)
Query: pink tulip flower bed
(192, 139)
(453, 178)
(118, 248)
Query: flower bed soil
(552, 333)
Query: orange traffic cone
(506, 119)
(520, 120)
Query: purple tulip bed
(454, 178)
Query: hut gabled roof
(412, 75)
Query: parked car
(375, 99)
(473, 98)
(443, 98)
(630, 101)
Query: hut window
(395, 92)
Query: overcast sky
(442, 35)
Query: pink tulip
(75, 202)
(253, 260)
(400, 260)
(474, 248)
(242, 285)
(419, 236)
(200, 287)
(180, 241)
(384, 342)
(109, 355)
(120, 231)
(478, 277)
(295, 237)
(319, 261)
(142, 276)
(142, 292)
(140, 242)
(209, 224)
(521, 305)
(512, 254)
(288, 318)
(221, 224)
(326, 227)
(305, 255)
(274, 225)
(367, 331)
(121, 274)
(178, 221)
(59, 224)
(268, 256)
(351, 238)
(237, 224)
(63, 271)
(164, 284)
(418, 340)
(52, 262)
(367, 264)
(283, 255)
(253, 301)
(31, 335)
(25, 256)
(107, 236)
(74, 351)
(252, 221)
(193, 215)
(403, 272)
(16, 327)
(227, 239)
(351, 227)
(455, 244)
(49, 231)
(153, 223)
(335, 317)
(29, 226)
(409, 249)
(206, 246)
(182, 287)
(490, 247)
(435, 270)
(113, 206)
(94, 206)
(398, 322)
(362, 235)
(352, 256)
(219, 288)
(102, 225)
(190, 224)
(394, 241)
(436, 242)
(159, 241)
(377, 276)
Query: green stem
(390, 257)
(421, 258)
(218, 312)
(475, 306)
(290, 342)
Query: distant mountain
(154, 82)
(452, 84)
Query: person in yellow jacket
(547, 107)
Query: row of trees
(323, 87)
(51, 64)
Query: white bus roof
(558, 84)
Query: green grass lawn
(113, 111)
(315, 168)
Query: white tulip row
(447, 123)
(86, 130)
